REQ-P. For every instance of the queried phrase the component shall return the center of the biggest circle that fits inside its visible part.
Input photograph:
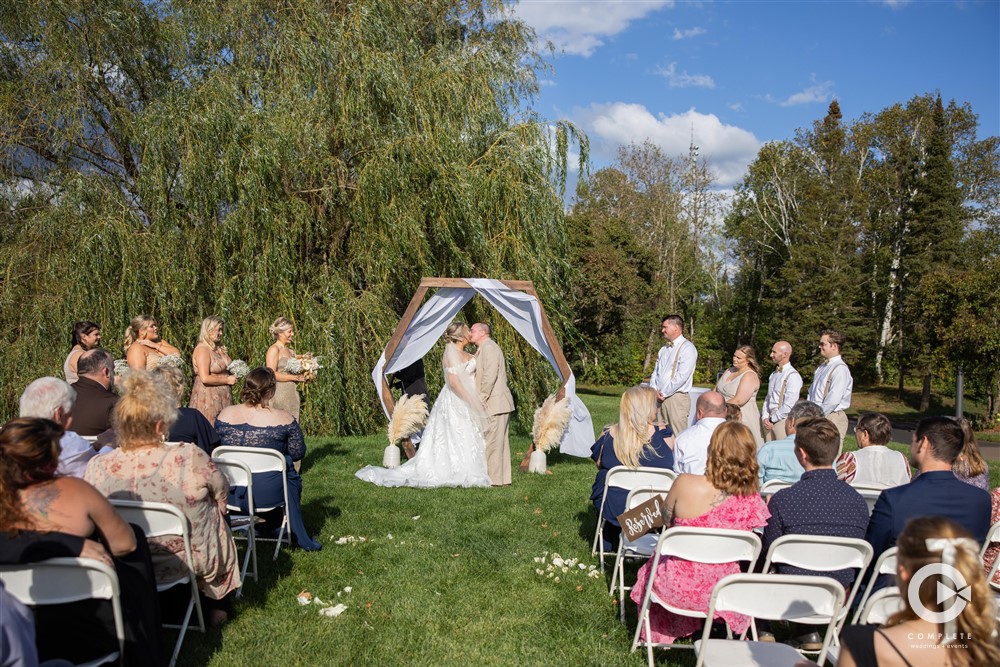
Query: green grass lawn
(444, 577)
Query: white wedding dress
(452, 451)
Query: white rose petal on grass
(556, 580)
(416, 517)
(582, 566)
(557, 561)
(388, 536)
(539, 572)
(333, 612)
(348, 589)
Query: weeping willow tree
(253, 158)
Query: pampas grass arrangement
(409, 417)
(551, 420)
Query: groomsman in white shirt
(832, 384)
(673, 374)
(783, 388)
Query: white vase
(390, 457)
(537, 462)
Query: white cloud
(737, 106)
(728, 149)
(579, 27)
(683, 79)
(816, 93)
(895, 4)
(688, 33)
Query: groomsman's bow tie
(669, 343)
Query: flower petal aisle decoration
(551, 420)
(408, 417)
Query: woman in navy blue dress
(637, 440)
(254, 423)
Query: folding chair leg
(183, 631)
(597, 536)
(281, 535)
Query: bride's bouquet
(239, 368)
(305, 364)
(170, 360)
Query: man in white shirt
(673, 375)
(783, 389)
(691, 448)
(51, 398)
(832, 384)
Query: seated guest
(990, 556)
(969, 639)
(724, 497)
(636, 440)
(43, 515)
(145, 468)
(777, 459)
(817, 504)
(254, 423)
(51, 398)
(691, 448)
(937, 442)
(873, 463)
(94, 399)
(191, 425)
(970, 467)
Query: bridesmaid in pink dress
(212, 380)
(726, 496)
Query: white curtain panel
(523, 313)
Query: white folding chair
(821, 553)
(623, 477)
(772, 487)
(870, 495)
(869, 486)
(641, 549)
(260, 460)
(884, 564)
(773, 597)
(702, 545)
(882, 604)
(160, 520)
(63, 580)
(238, 474)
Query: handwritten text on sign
(641, 519)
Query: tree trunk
(925, 394)
(650, 346)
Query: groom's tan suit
(491, 382)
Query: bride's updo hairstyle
(148, 399)
(135, 328)
(455, 332)
(258, 387)
(279, 325)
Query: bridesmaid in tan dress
(143, 345)
(739, 385)
(286, 396)
(86, 336)
(212, 380)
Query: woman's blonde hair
(751, 358)
(732, 460)
(148, 399)
(208, 325)
(976, 625)
(637, 408)
(135, 328)
(279, 325)
(455, 332)
(174, 378)
(970, 462)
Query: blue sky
(743, 73)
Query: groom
(491, 382)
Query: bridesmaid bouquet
(239, 368)
(121, 368)
(303, 364)
(171, 360)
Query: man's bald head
(781, 352)
(711, 404)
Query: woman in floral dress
(212, 389)
(145, 468)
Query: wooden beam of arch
(426, 284)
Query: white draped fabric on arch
(521, 308)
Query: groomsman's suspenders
(829, 381)
(677, 356)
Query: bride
(452, 451)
